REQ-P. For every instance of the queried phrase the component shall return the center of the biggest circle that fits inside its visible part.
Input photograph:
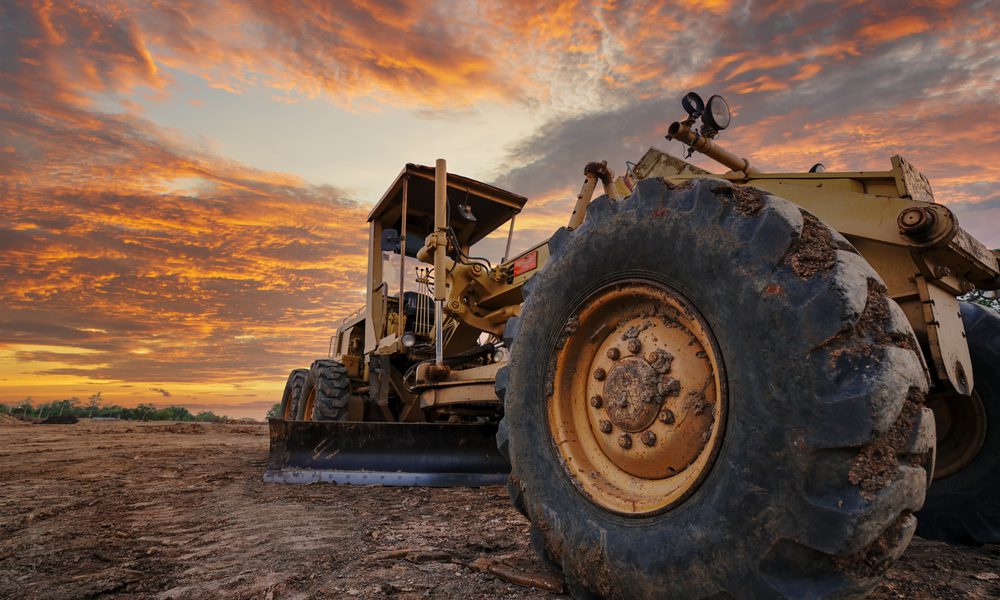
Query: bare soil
(153, 510)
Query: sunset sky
(184, 184)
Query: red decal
(526, 263)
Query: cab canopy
(475, 209)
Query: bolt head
(625, 441)
(605, 426)
(648, 438)
(600, 374)
(634, 346)
(614, 353)
(916, 221)
(597, 402)
(911, 216)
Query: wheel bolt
(605, 426)
(648, 438)
(666, 416)
(625, 441)
(597, 402)
(634, 346)
(599, 374)
(614, 353)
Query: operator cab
(398, 226)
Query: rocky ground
(153, 510)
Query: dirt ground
(153, 510)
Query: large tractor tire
(326, 392)
(964, 505)
(711, 396)
(290, 397)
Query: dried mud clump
(815, 249)
(675, 186)
(550, 374)
(871, 331)
(876, 317)
(875, 466)
(593, 565)
(872, 561)
(748, 200)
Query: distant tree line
(95, 406)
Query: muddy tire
(326, 392)
(818, 444)
(290, 396)
(965, 507)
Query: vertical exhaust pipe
(440, 256)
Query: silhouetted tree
(94, 402)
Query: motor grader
(736, 385)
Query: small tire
(290, 396)
(826, 445)
(326, 392)
(965, 507)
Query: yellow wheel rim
(960, 424)
(307, 410)
(637, 401)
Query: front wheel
(711, 395)
(326, 392)
(290, 396)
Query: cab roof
(490, 206)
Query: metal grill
(424, 322)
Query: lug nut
(605, 426)
(667, 416)
(597, 402)
(625, 441)
(614, 353)
(599, 374)
(648, 438)
(660, 360)
(634, 346)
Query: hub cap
(637, 404)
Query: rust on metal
(632, 388)
(672, 398)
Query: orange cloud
(893, 29)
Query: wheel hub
(633, 395)
(651, 371)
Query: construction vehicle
(733, 385)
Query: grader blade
(376, 453)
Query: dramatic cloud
(137, 260)
(129, 257)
